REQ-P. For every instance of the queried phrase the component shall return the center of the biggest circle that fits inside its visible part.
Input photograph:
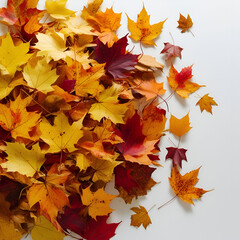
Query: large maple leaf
(41, 76)
(118, 62)
(108, 105)
(180, 81)
(49, 195)
(142, 30)
(11, 56)
(22, 160)
(183, 186)
(74, 220)
(61, 136)
(16, 119)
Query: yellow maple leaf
(142, 30)
(12, 57)
(108, 105)
(52, 45)
(40, 77)
(57, 9)
(206, 102)
(183, 186)
(22, 160)
(16, 119)
(140, 217)
(61, 136)
(44, 229)
(87, 81)
(179, 126)
(91, 9)
(97, 202)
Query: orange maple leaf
(140, 217)
(179, 126)
(183, 186)
(206, 102)
(184, 23)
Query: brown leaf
(140, 217)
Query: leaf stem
(167, 202)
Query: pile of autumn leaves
(76, 109)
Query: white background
(213, 142)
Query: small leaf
(206, 102)
(171, 51)
(184, 23)
(179, 126)
(140, 218)
(177, 155)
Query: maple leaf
(140, 217)
(52, 46)
(179, 126)
(61, 135)
(57, 9)
(97, 202)
(171, 51)
(22, 160)
(177, 155)
(40, 77)
(85, 226)
(206, 102)
(180, 81)
(135, 148)
(118, 62)
(12, 57)
(183, 186)
(88, 81)
(108, 106)
(153, 122)
(49, 195)
(133, 180)
(184, 23)
(91, 9)
(8, 14)
(146, 84)
(16, 119)
(142, 30)
(44, 229)
(108, 20)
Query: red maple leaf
(133, 179)
(177, 155)
(132, 135)
(118, 62)
(76, 221)
(171, 51)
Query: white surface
(214, 140)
